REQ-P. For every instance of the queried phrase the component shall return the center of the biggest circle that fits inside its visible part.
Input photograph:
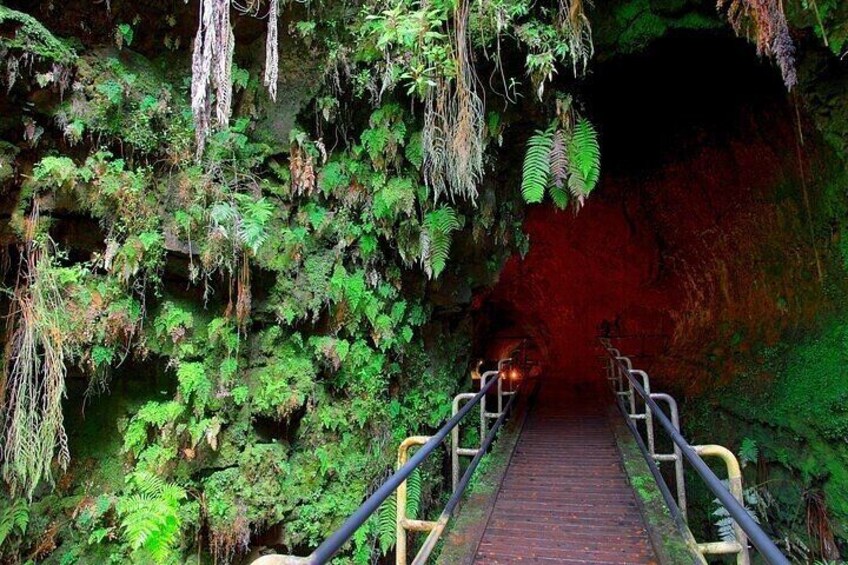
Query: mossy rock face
(300, 77)
(625, 27)
(22, 34)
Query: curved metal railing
(407, 464)
(626, 385)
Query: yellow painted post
(734, 479)
(402, 522)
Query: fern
(150, 518)
(436, 239)
(536, 170)
(749, 452)
(724, 522)
(413, 494)
(255, 215)
(14, 518)
(584, 157)
(387, 526)
(559, 197)
(387, 523)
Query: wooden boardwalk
(565, 497)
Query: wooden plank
(565, 498)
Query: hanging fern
(561, 161)
(436, 239)
(584, 157)
(537, 166)
(387, 523)
(559, 170)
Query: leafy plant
(14, 518)
(749, 452)
(255, 215)
(436, 239)
(724, 521)
(150, 517)
(584, 157)
(560, 156)
(537, 166)
(387, 518)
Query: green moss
(793, 401)
(28, 36)
(630, 26)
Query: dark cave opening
(699, 189)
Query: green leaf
(436, 239)
(536, 170)
(584, 156)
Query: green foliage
(387, 514)
(584, 157)
(31, 38)
(124, 35)
(290, 418)
(748, 452)
(438, 226)
(536, 169)
(387, 526)
(14, 519)
(150, 517)
(255, 215)
(724, 523)
(558, 157)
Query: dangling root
(452, 138)
(33, 384)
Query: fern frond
(413, 494)
(584, 156)
(436, 239)
(559, 197)
(387, 525)
(536, 170)
(558, 160)
(150, 517)
(14, 518)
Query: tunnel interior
(685, 238)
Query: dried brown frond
(452, 138)
(819, 527)
(33, 433)
(302, 167)
(574, 24)
(765, 22)
(272, 55)
(243, 295)
(211, 67)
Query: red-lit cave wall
(711, 245)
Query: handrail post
(734, 480)
(746, 527)
(631, 393)
(456, 450)
(648, 416)
(676, 455)
(402, 522)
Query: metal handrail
(744, 521)
(324, 552)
